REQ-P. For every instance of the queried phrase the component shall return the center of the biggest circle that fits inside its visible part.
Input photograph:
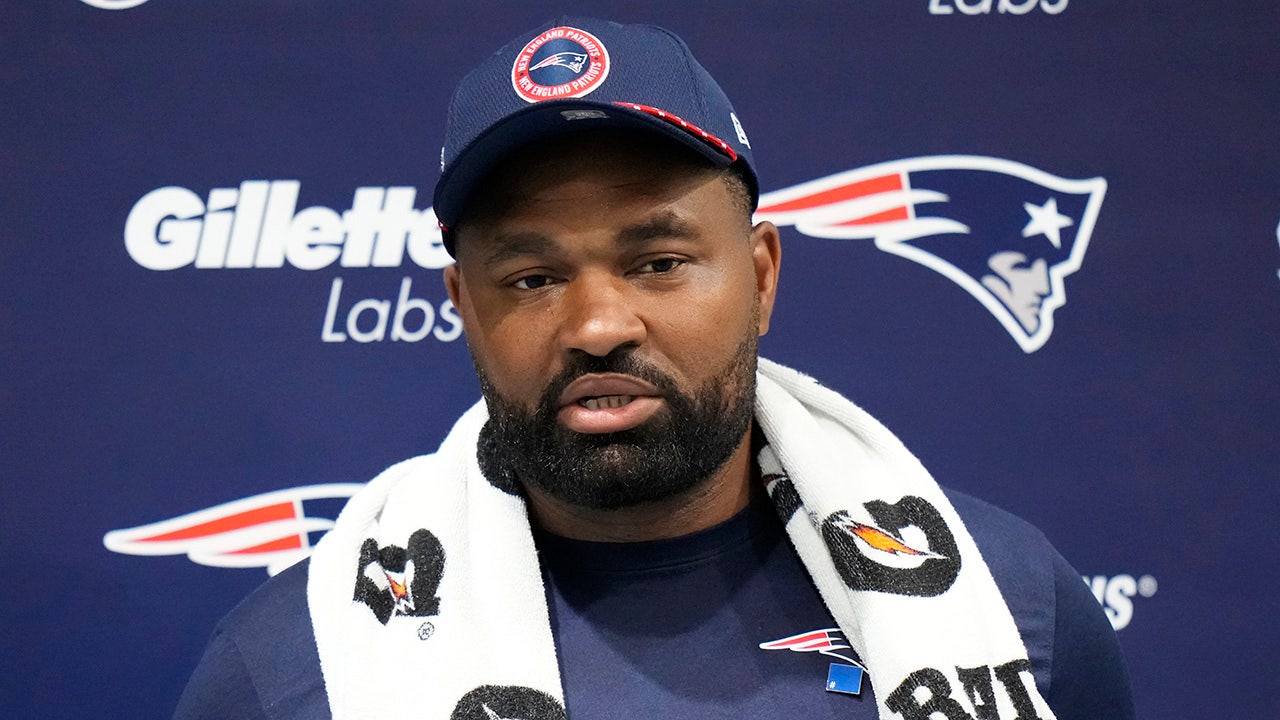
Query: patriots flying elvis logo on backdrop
(273, 530)
(1006, 232)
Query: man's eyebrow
(506, 246)
(665, 225)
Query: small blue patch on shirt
(844, 679)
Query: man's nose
(599, 315)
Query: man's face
(612, 291)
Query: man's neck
(721, 497)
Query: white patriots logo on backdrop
(1006, 232)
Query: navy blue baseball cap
(577, 74)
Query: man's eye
(661, 265)
(532, 282)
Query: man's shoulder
(1001, 536)
(278, 603)
(1074, 652)
(1025, 565)
(272, 632)
(1026, 569)
(262, 658)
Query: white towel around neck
(448, 560)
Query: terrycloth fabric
(427, 600)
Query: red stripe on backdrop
(256, 516)
(872, 186)
(898, 213)
(291, 542)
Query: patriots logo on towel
(1008, 233)
(273, 530)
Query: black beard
(671, 453)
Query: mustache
(621, 361)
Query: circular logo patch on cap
(562, 62)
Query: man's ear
(766, 254)
(452, 282)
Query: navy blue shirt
(673, 628)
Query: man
(642, 519)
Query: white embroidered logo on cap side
(742, 134)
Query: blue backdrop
(1050, 266)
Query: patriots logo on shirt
(272, 530)
(827, 642)
(1008, 233)
(843, 677)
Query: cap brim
(541, 121)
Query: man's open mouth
(605, 402)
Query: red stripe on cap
(688, 127)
